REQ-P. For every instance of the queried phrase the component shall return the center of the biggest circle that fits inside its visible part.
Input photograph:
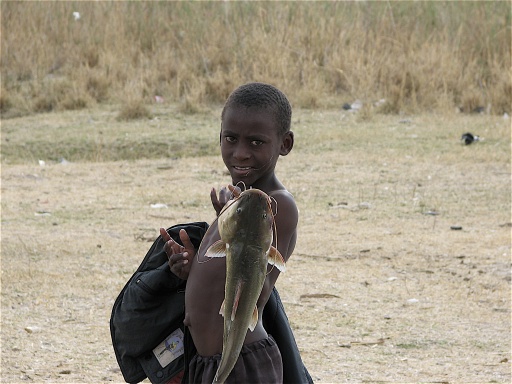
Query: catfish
(246, 228)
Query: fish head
(249, 213)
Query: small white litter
(159, 205)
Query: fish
(246, 228)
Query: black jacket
(151, 306)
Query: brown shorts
(259, 362)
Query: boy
(255, 131)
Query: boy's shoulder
(285, 209)
(283, 195)
(286, 218)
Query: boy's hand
(179, 255)
(224, 196)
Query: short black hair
(264, 96)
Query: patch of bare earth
(401, 272)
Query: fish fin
(254, 320)
(238, 292)
(275, 258)
(217, 249)
(221, 312)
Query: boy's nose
(241, 152)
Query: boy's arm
(286, 221)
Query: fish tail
(230, 353)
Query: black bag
(149, 308)
(146, 324)
(276, 323)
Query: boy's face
(250, 144)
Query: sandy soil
(401, 272)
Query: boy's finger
(215, 200)
(173, 259)
(164, 234)
(185, 239)
(224, 195)
(176, 248)
(178, 262)
(235, 190)
(213, 195)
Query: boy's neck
(266, 184)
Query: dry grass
(378, 289)
(418, 56)
(134, 110)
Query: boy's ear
(287, 143)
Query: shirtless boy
(255, 131)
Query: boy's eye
(256, 142)
(230, 139)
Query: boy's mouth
(242, 171)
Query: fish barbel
(246, 230)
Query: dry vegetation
(379, 289)
(418, 56)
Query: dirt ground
(401, 273)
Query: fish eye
(239, 210)
(264, 215)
